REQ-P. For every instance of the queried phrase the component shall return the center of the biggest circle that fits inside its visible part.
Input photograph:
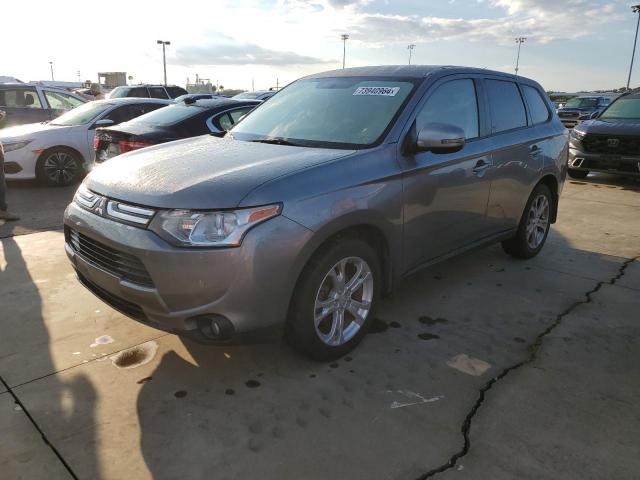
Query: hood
(610, 127)
(200, 173)
(25, 130)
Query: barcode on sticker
(377, 91)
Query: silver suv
(319, 202)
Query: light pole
(519, 41)
(634, 9)
(344, 37)
(410, 47)
(51, 66)
(164, 58)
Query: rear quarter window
(537, 106)
(506, 106)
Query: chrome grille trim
(113, 209)
(129, 213)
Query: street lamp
(410, 47)
(519, 41)
(634, 9)
(345, 37)
(51, 66)
(164, 58)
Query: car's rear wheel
(534, 225)
(59, 167)
(334, 300)
(577, 173)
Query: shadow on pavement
(70, 403)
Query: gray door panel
(445, 200)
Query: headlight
(10, 147)
(577, 134)
(211, 229)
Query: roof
(410, 71)
(221, 102)
(134, 100)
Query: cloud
(539, 20)
(227, 53)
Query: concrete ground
(480, 367)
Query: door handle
(481, 166)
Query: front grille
(616, 144)
(120, 264)
(120, 304)
(568, 114)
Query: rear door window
(175, 92)
(20, 98)
(506, 106)
(537, 106)
(61, 101)
(157, 92)
(140, 92)
(453, 103)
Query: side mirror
(105, 122)
(440, 138)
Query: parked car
(147, 91)
(257, 95)
(57, 152)
(610, 142)
(196, 96)
(177, 121)
(577, 107)
(319, 201)
(31, 103)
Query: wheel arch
(551, 182)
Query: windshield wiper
(276, 141)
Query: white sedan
(58, 152)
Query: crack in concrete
(534, 348)
(37, 427)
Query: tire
(317, 285)
(534, 225)
(578, 174)
(59, 167)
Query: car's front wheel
(534, 225)
(59, 167)
(577, 173)
(334, 300)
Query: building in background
(111, 80)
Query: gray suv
(320, 201)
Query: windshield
(581, 103)
(82, 114)
(343, 112)
(167, 115)
(625, 108)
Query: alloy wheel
(537, 221)
(343, 301)
(60, 168)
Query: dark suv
(608, 143)
(148, 91)
(572, 111)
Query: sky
(571, 44)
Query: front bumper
(599, 162)
(250, 285)
(20, 164)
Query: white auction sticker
(377, 91)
